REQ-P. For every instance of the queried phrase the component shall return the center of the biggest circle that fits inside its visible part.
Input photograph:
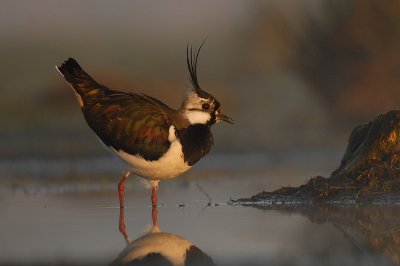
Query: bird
(155, 141)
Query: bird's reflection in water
(157, 248)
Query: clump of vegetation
(369, 170)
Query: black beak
(222, 117)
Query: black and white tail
(85, 87)
(77, 77)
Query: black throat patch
(196, 141)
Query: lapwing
(157, 142)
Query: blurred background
(296, 76)
(293, 74)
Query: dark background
(294, 75)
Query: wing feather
(128, 122)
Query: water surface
(73, 218)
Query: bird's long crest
(192, 56)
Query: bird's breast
(169, 165)
(196, 141)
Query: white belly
(170, 165)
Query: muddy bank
(368, 172)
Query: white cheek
(198, 117)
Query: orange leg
(122, 223)
(121, 187)
(154, 196)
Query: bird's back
(123, 121)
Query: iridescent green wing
(130, 123)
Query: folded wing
(130, 123)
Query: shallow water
(54, 217)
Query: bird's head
(200, 107)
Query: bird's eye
(205, 106)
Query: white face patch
(197, 117)
(194, 110)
